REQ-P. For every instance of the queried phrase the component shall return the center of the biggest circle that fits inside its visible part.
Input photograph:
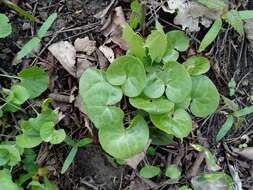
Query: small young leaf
(211, 35)
(9, 154)
(156, 106)
(197, 65)
(213, 4)
(247, 14)
(6, 180)
(149, 171)
(70, 158)
(133, 21)
(18, 96)
(26, 141)
(156, 43)
(134, 41)
(123, 143)
(28, 47)
(178, 123)
(225, 128)
(128, 72)
(35, 80)
(243, 112)
(205, 96)
(135, 6)
(58, 136)
(46, 25)
(234, 19)
(178, 40)
(173, 172)
(5, 29)
(46, 131)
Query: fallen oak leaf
(108, 52)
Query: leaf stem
(9, 76)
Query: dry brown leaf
(108, 52)
(85, 45)
(65, 53)
(113, 27)
(82, 64)
(248, 26)
(191, 14)
(104, 12)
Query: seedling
(155, 83)
(150, 171)
(137, 16)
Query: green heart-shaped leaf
(5, 28)
(178, 123)
(26, 141)
(123, 143)
(178, 40)
(128, 72)
(149, 171)
(197, 65)
(10, 153)
(156, 43)
(35, 80)
(154, 87)
(205, 96)
(178, 82)
(18, 95)
(155, 106)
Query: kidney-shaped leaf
(153, 106)
(178, 123)
(5, 28)
(178, 82)
(35, 80)
(205, 96)
(197, 65)
(123, 143)
(149, 171)
(128, 72)
(178, 40)
(154, 87)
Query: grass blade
(248, 14)
(225, 128)
(244, 111)
(28, 47)
(234, 19)
(211, 35)
(46, 25)
(69, 160)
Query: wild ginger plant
(163, 91)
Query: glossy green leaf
(70, 158)
(159, 137)
(10, 154)
(225, 128)
(183, 105)
(243, 112)
(171, 55)
(26, 141)
(135, 41)
(178, 123)
(178, 82)
(152, 106)
(5, 29)
(6, 180)
(49, 134)
(154, 87)
(129, 73)
(234, 19)
(123, 143)
(178, 40)
(46, 25)
(213, 4)
(246, 14)
(211, 35)
(197, 65)
(173, 172)
(156, 43)
(18, 95)
(149, 171)
(28, 47)
(208, 155)
(35, 80)
(205, 96)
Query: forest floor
(230, 57)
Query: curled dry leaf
(191, 14)
(247, 153)
(65, 53)
(85, 45)
(108, 52)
